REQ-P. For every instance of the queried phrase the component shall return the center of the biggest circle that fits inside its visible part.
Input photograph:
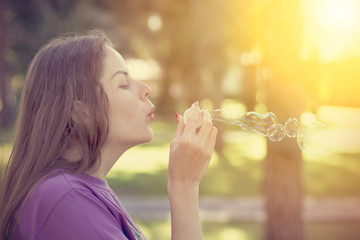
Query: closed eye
(123, 80)
(124, 86)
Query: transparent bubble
(276, 132)
(259, 123)
(314, 139)
(292, 127)
(221, 116)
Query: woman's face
(130, 110)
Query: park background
(296, 58)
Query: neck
(109, 156)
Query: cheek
(118, 113)
(121, 111)
(119, 121)
(117, 104)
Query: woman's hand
(190, 154)
(191, 148)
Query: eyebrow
(119, 72)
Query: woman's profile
(80, 111)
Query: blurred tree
(5, 120)
(209, 59)
(178, 60)
(24, 27)
(20, 21)
(281, 38)
(135, 38)
(188, 46)
(273, 28)
(242, 29)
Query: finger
(206, 125)
(210, 143)
(212, 138)
(192, 117)
(180, 126)
(206, 115)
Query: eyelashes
(124, 86)
(124, 82)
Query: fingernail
(177, 115)
(197, 103)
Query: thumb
(180, 127)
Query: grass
(253, 231)
(333, 175)
(143, 171)
(211, 230)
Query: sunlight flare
(332, 27)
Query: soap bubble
(292, 127)
(276, 132)
(221, 116)
(314, 139)
(259, 123)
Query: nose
(145, 91)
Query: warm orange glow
(333, 28)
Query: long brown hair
(65, 71)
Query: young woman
(80, 111)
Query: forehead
(113, 62)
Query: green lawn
(211, 230)
(254, 231)
(143, 171)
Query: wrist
(184, 207)
(182, 189)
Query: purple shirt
(75, 207)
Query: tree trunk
(283, 184)
(283, 164)
(5, 116)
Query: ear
(79, 112)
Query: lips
(151, 114)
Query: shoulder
(49, 191)
(53, 188)
(66, 206)
(55, 197)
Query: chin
(150, 137)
